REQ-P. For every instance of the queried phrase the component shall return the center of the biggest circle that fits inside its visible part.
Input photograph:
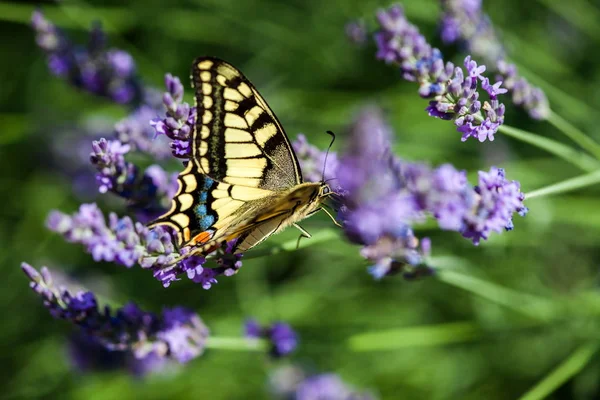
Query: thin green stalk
(575, 134)
(580, 14)
(415, 336)
(567, 185)
(563, 372)
(236, 343)
(532, 306)
(575, 157)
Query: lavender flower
(454, 94)
(126, 243)
(291, 382)
(151, 190)
(330, 387)
(463, 21)
(104, 72)
(356, 31)
(87, 355)
(282, 337)
(135, 130)
(475, 212)
(177, 334)
(179, 121)
(385, 196)
(377, 213)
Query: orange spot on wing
(202, 237)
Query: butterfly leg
(332, 218)
(304, 234)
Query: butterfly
(243, 180)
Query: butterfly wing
(238, 139)
(241, 160)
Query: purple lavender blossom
(330, 387)
(177, 334)
(356, 31)
(291, 382)
(178, 123)
(109, 73)
(151, 190)
(464, 22)
(87, 355)
(475, 212)
(135, 130)
(454, 94)
(127, 243)
(376, 212)
(385, 196)
(282, 337)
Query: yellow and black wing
(240, 158)
(238, 139)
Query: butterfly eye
(325, 190)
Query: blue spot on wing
(207, 183)
(206, 222)
(201, 210)
(203, 197)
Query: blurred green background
(497, 320)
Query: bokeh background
(520, 309)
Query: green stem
(563, 372)
(428, 335)
(236, 343)
(567, 185)
(575, 157)
(575, 134)
(526, 304)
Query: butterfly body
(243, 180)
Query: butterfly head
(325, 190)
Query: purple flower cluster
(124, 242)
(454, 94)
(135, 130)
(151, 190)
(87, 355)
(376, 211)
(464, 22)
(292, 382)
(476, 211)
(177, 334)
(280, 335)
(178, 124)
(105, 72)
(356, 31)
(385, 196)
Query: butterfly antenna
(327, 154)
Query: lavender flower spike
(151, 190)
(177, 334)
(454, 94)
(179, 120)
(282, 337)
(463, 21)
(105, 72)
(126, 243)
(291, 382)
(377, 211)
(384, 197)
